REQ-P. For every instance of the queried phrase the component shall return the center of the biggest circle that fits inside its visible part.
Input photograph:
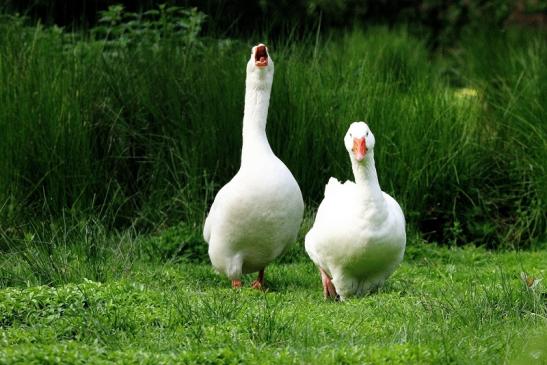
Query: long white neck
(257, 100)
(366, 177)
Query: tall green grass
(144, 135)
(510, 73)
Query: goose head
(359, 141)
(260, 68)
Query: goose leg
(236, 284)
(259, 282)
(329, 291)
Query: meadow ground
(444, 305)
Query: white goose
(358, 238)
(258, 213)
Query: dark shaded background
(442, 20)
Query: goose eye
(350, 135)
(367, 134)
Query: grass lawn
(464, 305)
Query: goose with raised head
(358, 238)
(256, 215)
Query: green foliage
(120, 28)
(442, 306)
(63, 251)
(180, 242)
(79, 131)
(139, 123)
(447, 20)
(512, 81)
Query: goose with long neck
(256, 215)
(258, 86)
(358, 238)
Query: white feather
(358, 236)
(258, 213)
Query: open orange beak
(359, 148)
(261, 56)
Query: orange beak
(261, 56)
(359, 148)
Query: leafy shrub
(120, 28)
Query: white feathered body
(258, 213)
(357, 238)
(254, 217)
